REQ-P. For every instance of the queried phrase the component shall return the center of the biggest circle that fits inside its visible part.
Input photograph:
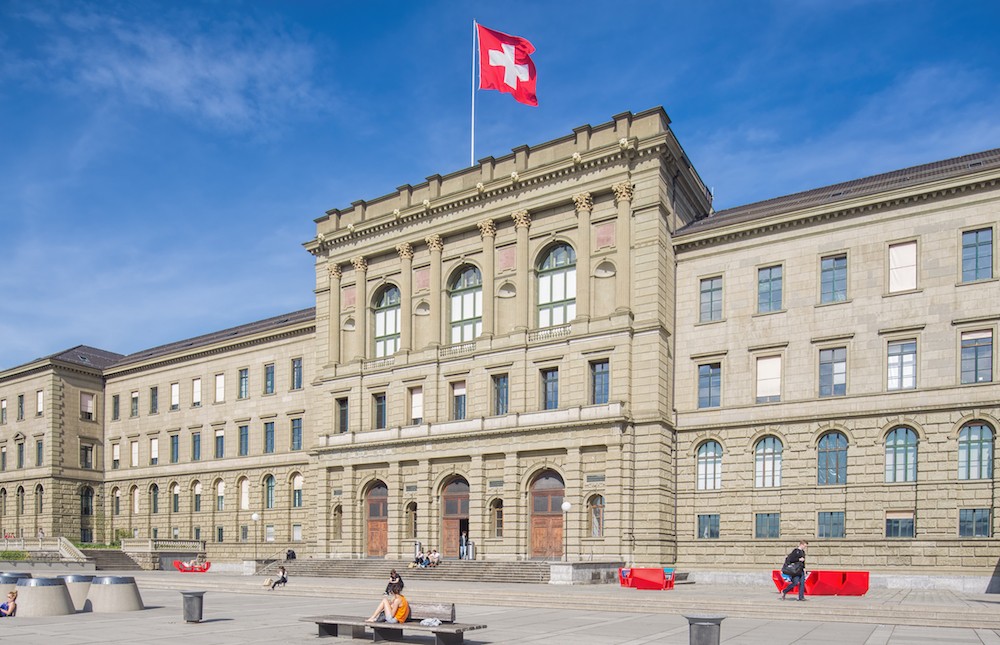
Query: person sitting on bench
(394, 607)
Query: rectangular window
(175, 396)
(218, 534)
(175, 448)
(378, 402)
(550, 389)
(600, 382)
(115, 407)
(768, 379)
(767, 525)
(87, 412)
(269, 378)
(711, 299)
(296, 434)
(833, 372)
(833, 278)
(244, 533)
(154, 400)
(343, 416)
(220, 388)
(708, 527)
(86, 457)
(175, 500)
(116, 455)
(39, 449)
(134, 454)
(902, 365)
(20, 455)
(3, 411)
(769, 289)
(296, 532)
(977, 356)
(133, 409)
(296, 373)
(220, 444)
(710, 385)
(195, 446)
(974, 522)
(458, 400)
(244, 384)
(154, 452)
(416, 405)
(39, 403)
(20, 407)
(501, 394)
(903, 267)
(830, 525)
(197, 532)
(977, 255)
(269, 437)
(196, 393)
(269, 533)
(244, 441)
(3, 458)
(899, 524)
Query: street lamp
(565, 509)
(256, 518)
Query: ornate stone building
(565, 353)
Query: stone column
(436, 246)
(575, 495)
(478, 530)
(406, 296)
(488, 231)
(522, 222)
(584, 206)
(333, 340)
(623, 242)
(361, 304)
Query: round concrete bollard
(8, 582)
(78, 585)
(114, 593)
(194, 602)
(43, 597)
(704, 629)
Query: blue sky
(161, 163)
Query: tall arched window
(901, 455)
(767, 463)
(135, 500)
(220, 496)
(269, 491)
(336, 522)
(831, 459)
(297, 483)
(197, 497)
(466, 291)
(39, 500)
(154, 498)
(244, 494)
(387, 322)
(557, 286)
(3, 501)
(175, 498)
(709, 466)
(87, 501)
(496, 518)
(20, 500)
(411, 520)
(975, 451)
(595, 513)
(116, 496)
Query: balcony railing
(549, 333)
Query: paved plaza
(241, 610)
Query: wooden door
(377, 524)
(450, 529)
(456, 511)
(378, 538)
(547, 493)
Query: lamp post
(256, 518)
(565, 509)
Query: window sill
(769, 313)
(834, 303)
(975, 282)
(890, 294)
(703, 323)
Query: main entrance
(377, 505)
(547, 493)
(455, 519)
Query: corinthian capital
(623, 191)
(434, 242)
(522, 219)
(487, 228)
(583, 202)
(405, 251)
(360, 263)
(334, 270)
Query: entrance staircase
(449, 570)
(111, 560)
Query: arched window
(496, 518)
(244, 494)
(557, 286)
(975, 451)
(86, 500)
(154, 498)
(3, 501)
(20, 500)
(831, 459)
(709, 466)
(901, 455)
(297, 482)
(220, 496)
(135, 500)
(175, 498)
(411, 520)
(466, 291)
(595, 511)
(197, 497)
(387, 322)
(336, 522)
(116, 496)
(39, 500)
(767, 463)
(269, 491)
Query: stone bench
(447, 633)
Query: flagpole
(472, 144)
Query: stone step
(111, 560)
(449, 570)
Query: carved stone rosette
(522, 219)
(334, 270)
(360, 263)
(623, 191)
(583, 202)
(434, 242)
(487, 228)
(405, 251)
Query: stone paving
(239, 610)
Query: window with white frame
(901, 455)
(154, 451)
(769, 289)
(709, 466)
(831, 459)
(416, 405)
(975, 451)
(175, 396)
(39, 403)
(87, 406)
(711, 299)
(196, 393)
(297, 483)
(903, 266)
(767, 462)
(977, 255)
(220, 388)
(902, 365)
(387, 322)
(557, 286)
(899, 524)
(833, 278)
(134, 447)
(768, 379)
(833, 372)
(133, 410)
(458, 400)
(977, 356)
(244, 494)
(466, 293)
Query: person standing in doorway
(463, 542)
(795, 570)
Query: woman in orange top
(395, 607)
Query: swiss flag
(505, 65)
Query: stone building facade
(565, 353)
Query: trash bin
(470, 550)
(194, 602)
(704, 629)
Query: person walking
(795, 570)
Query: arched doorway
(455, 516)
(377, 520)
(547, 493)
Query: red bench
(829, 583)
(194, 568)
(646, 578)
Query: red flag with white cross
(505, 64)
